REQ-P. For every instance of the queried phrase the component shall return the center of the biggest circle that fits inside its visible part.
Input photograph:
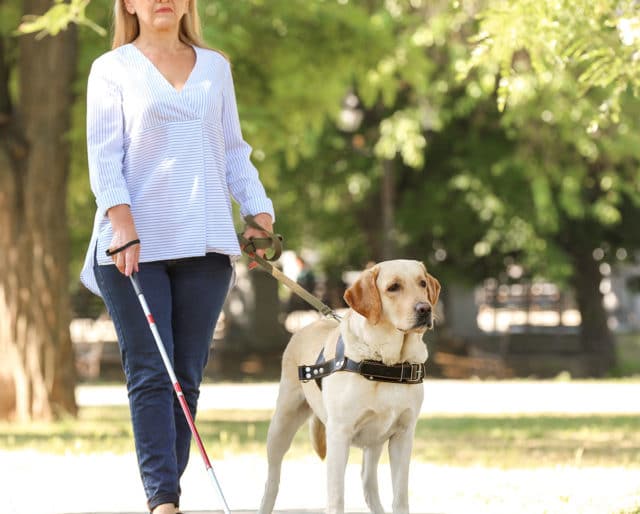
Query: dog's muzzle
(423, 315)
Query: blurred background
(496, 141)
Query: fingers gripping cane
(178, 389)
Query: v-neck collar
(161, 75)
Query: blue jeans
(185, 297)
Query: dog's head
(398, 292)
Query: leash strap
(295, 287)
(274, 242)
(121, 248)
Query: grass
(530, 441)
(497, 441)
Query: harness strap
(323, 368)
(404, 373)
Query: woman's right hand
(124, 231)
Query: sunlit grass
(530, 441)
(499, 441)
(97, 429)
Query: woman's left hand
(265, 221)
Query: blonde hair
(126, 27)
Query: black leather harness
(404, 373)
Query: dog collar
(403, 373)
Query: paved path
(36, 483)
(441, 397)
(46, 484)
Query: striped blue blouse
(176, 157)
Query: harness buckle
(416, 372)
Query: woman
(165, 155)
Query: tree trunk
(37, 368)
(267, 331)
(597, 339)
(388, 194)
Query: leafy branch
(58, 18)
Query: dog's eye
(393, 287)
(423, 283)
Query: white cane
(178, 389)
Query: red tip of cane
(150, 318)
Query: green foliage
(9, 17)
(293, 61)
(511, 126)
(401, 133)
(58, 18)
(573, 128)
(628, 350)
(594, 40)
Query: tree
(35, 100)
(595, 40)
(543, 184)
(546, 183)
(568, 82)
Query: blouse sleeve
(242, 176)
(105, 148)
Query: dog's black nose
(423, 314)
(423, 308)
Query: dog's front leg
(291, 412)
(400, 446)
(371, 457)
(338, 441)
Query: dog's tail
(318, 436)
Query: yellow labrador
(391, 307)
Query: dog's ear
(363, 296)
(433, 289)
(433, 286)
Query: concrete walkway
(86, 484)
(37, 483)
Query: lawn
(496, 441)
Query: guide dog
(391, 306)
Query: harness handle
(272, 242)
